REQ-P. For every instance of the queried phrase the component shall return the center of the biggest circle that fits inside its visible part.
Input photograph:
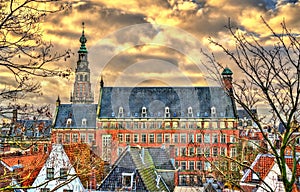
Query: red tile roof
(85, 161)
(32, 164)
(262, 167)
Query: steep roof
(29, 164)
(262, 165)
(155, 99)
(76, 112)
(145, 165)
(84, 160)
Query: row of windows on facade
(167, 113)
(205, 165)
(176, 138)
(66, 138)
(167, 124)
(83, 122)
(198, 151)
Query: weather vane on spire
(82, 40)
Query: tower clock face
(81, 65)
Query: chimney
(15, 116)
(143, 155)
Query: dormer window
(190, 112)
(167, 112)
(144, 112)
(113, 114)
(69, 122)
(83, 122)
(127, 180)
(121, 111)
(213, 111)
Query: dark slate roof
(160, 158)
(76, 112)
(155, 99)
(29, 128)
(131, 159)
(243, 114)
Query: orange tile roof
(85, 161)
(32, 164)
(262, 167)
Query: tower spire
(82, 92)
(82, 40)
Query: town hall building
(196, 125)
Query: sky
(154, 42)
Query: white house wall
(58, 159)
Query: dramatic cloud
(128, 53)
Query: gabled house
(264, 174)
(141, 169)
(57, 174)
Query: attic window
(213, 111)
(167, 112)
(50, 173)
(255, 176)
(63, 173)
(69, 122)
(121, 110)
(127, 180)
(83, 122)
(190, 112)
(144, 112)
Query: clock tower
(82, 86)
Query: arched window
(213, 111)
(81, 77)
(85, 78)
(121, 110)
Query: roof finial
(101, 82)
(82, 27)
(82, 40)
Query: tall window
(207, 138)
(59, 138)
(199, 165)
(199, 138)
(67, 138)
(223, 138)
(183, 138)
(83, 137)
(127, 138)
(191, 165)
(175, 138)
(183, 165)
(167, 138)
(215, 151)
(191, 137)
(136, 138)
(215, 138)
(232, 152)
(159, 138)
(75, 138)
(223, 151)
(151, 138)
(120, 136)
(144, 138)
(91, 138)
(50, 173)
(183, 151)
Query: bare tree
(24, 55)
(269, 75)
